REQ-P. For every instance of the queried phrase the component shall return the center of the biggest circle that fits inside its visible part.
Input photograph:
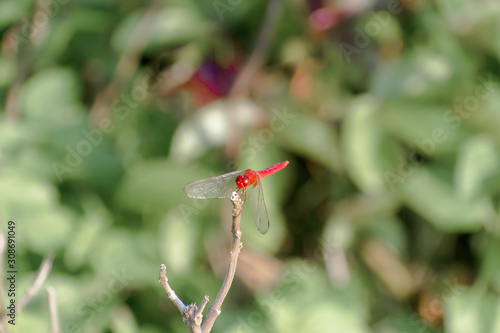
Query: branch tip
(163, 274)
(198, 316)
(54, 317)
(169, 291)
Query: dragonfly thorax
(242, 181)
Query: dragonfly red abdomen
(272, 169)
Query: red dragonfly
(246, 182)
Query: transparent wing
(257, 205)
(214, 187)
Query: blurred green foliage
(385, 221)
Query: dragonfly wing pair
(214, 187)
(222, 187)
(258, 206)
(248, 186)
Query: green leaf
(32, 204)
(391, 232)
(495, 327)
(118, 254)
(8, 70)
(435, 68)
(309, 137)
(211, 127)
(478, 27)
(11, 11)
(362, 141)
(123, 320)
(50, 97)
(178, 242)
(434, 198)
(166, 27)
(426, 128)
(477, 162)
(306, 302)
(471, 310)
(92, 225)
(157, 185)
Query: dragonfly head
(242, 181)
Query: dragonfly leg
(243, 194)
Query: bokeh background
(386, 219)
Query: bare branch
(54, 317)
(236, 245)
(192, 315)
(170, 293)
(41, 276)
(127, 64)
(43, 273)
(24, 57)
(241, 85)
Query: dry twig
(43, 273)
(193, 315)
(54, 317)
(170, 293)
(241, 86)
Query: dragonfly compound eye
(241, 181)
